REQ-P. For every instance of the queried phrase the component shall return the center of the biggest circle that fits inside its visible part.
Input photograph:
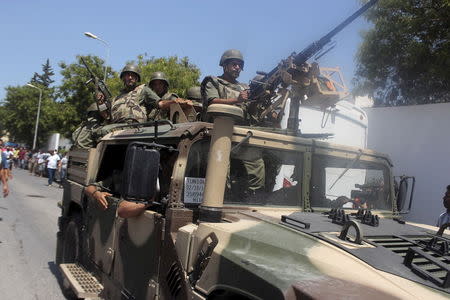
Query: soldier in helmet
(225, 89)
(195, 95)
(160, 99)
(125, 108)
(82, 136)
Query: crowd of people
(39, 163)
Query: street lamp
(93, 36)
(38, 113)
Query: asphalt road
(28, 227)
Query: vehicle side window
(256, 176)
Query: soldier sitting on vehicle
(159, 100)
(125, 108)
(82, 136)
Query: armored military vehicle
(223, 225)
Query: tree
(19, 111)
(405, 58)
(181, 73)
(75, 95)
(44, 79)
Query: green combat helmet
(194, 93)
(231, 54)
(92, 110)
(159, 76)
(133, 69)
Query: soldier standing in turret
(225, 89)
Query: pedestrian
(3, 171)
(62, 166)
(42, 158)
(34, 159)
(21, 157)
(445, 217)
(52, 164)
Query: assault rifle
(103, 105)
(294, 72)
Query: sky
(265, 31)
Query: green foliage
(405, 58)
(44, 79)
(64, 107)
(75, 94)
(180, 72)
(19, 113)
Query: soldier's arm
(129, 209)
(212, 95)
(165, 104)
(95, 193)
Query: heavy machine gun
(103, 104)
(294, 78)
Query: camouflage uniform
(82, 136)
(128, 108)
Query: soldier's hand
(243, 96)
(100, 197)
(99, 96)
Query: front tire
(70, 251)
(71, 240)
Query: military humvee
(322, 223)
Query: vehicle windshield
(349, 183)
(256, 176)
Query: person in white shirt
(52, 165)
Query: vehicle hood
(313, 261)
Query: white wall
(418, 141)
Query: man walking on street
(52, 164)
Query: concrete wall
(418, 141)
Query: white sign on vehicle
(193, 189)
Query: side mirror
(404, 187)
(140, 173)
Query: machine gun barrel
(316, 46)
